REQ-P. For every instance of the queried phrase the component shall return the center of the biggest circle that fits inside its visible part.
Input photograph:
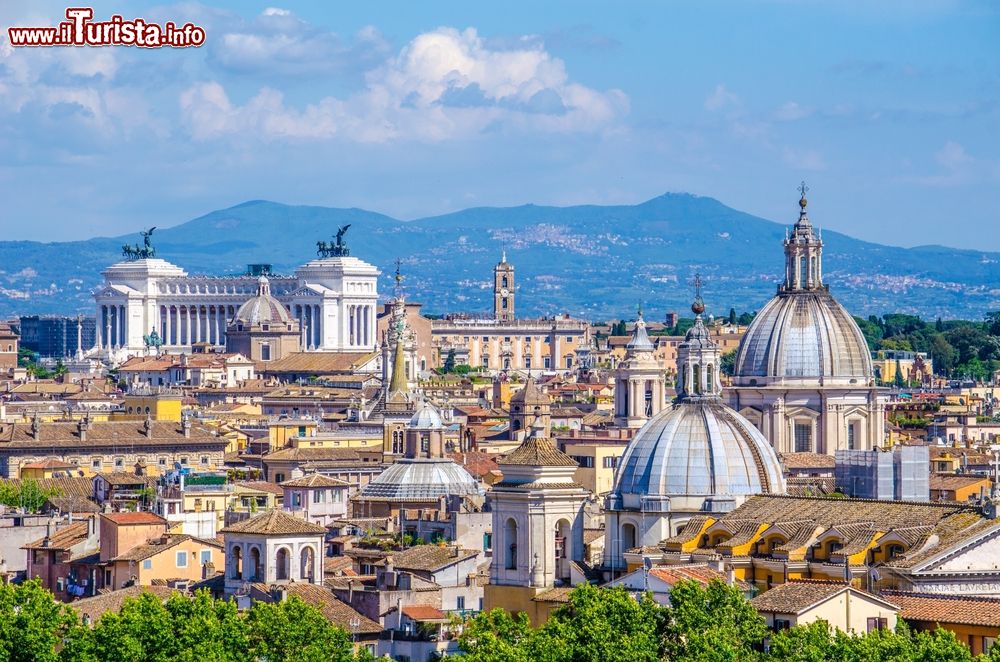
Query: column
(317, 327)
(350, 326)
(100, 327)
(123, 340)
(187, 312)
(168, 327)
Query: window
(206, 556)
(119, 463)
(265, 351)
(584, 461)
(548, 362)
(487, 542)
(486, 362)
(319, 496)
(569, 361)
(527, 362)
(147, 564)
(162, 461)
(184, 460)
(878, 624)
(460, 602)
(610, 462)
(569, 338)
(781, 623)
(503, 304)
(850, 436)
(96, 463)
(803, 437)
(182, 559)
(204, 459)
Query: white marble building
(334, 300)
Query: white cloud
(805, 159)
(952, 156)
(445, 84)
(721, 99)
(792, 111)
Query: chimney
(730, 575)
(82, 426)
(147, 427)
(36, 427)
(208, 570)
(186, 427)
(350, 592)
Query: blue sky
(889, 110)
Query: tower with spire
(503, 290)
(640, 384)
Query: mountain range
(596, 262)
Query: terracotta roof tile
(958, 609)
(427, 613)
(94, 607)
(337, 612)
(64, 538)
(315, 480)
(134, 518)
(537, 452)
(430, 558)
(275, 522)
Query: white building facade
(334, 300)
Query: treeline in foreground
(713, 624)
(704, 624)
(34, 627)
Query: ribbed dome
(421, 479)
(697, 448)
(263, 308)
(426, 418)
(803, 335)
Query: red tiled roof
(957, 609)
(424, 613)
(130, 518)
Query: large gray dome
(699, 447)
(421, 479)
(804, 335)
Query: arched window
(503, 282)
(510, 535)
(255, 573)
(628, 537)
(710, 378)
(236, 562)
(281, 562)
(697, 378)
(307, 562)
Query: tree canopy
(34, 626)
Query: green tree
(60, 369)
(732, 316)
(602, 624)
(32, 623)
(712, 623)
(898, 379)
(944, 355)
(449, 361)
(292, 630)
(26, 494)
(496, 636)
(728, 362)
(745, 318)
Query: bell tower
(503, 290)
(803, 253)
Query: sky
(889, 111)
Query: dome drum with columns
(640, 382)
(803, 372)
(696, 457)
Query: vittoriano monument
(141, 252)
(339, 249)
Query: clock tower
(503, 290)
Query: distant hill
(592, 261)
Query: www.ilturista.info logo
(80, 30)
